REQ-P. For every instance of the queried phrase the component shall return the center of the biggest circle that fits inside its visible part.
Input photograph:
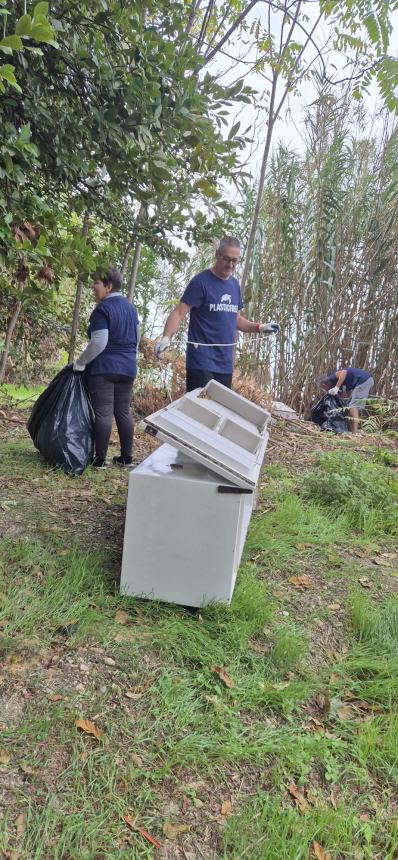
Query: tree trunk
(78, 300)
(126, 258)
(191, 16)
(9, 334)
(136, 258)
(134, 270)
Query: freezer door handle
(223, 488)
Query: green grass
(267, 830)
(366, 494)
(188, 735)
(19, 395)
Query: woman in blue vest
(110, 365)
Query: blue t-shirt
(355, 376)
(214, 309)
(117, 315)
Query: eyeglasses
(233, 260)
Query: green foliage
(43, 590)
(382, 415)
(366, 27)
(365, 493)
(377, 748)
(14, 395)
(117, 114)
(387, 458)
(278, 830)
(376, 626)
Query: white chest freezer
(189, 503)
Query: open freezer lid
(218, 428)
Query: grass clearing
(19, 395)
(312, 701)
(366, 491)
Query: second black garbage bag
(328, 413)
(62, 423)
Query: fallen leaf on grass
(55, 697)
(171, 831)
(212, 700)
(389, 554)
(323, 702)
(347, 712)
(315, 721)
(299, 798)
(302, 581)
(313, 725)
(363, 706)
(141, 830)
(4, 757)
(122, 617)
(186, 802)
(20, 824)
(226, 808)
(333, 799)
(89, 728)
(320, 852)
(303, 545)
(260, 648)
(137, 760)
(334, 606)
(364, 581)
(9, 503)
(218, 670)
(26, 769)
(129, 635)
(138, 691)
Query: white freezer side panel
(183, 539)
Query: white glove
(334, 391)
(270, 328)
(161, 345)
(78, 367)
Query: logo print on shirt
(224, 305)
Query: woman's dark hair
(113, 278)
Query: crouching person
(355, 381)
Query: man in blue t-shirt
(358, 382)
(110, 365)
(214, 303)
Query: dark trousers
(199, 378)
(111, 396)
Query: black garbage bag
(328, 413)
(62, 423)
